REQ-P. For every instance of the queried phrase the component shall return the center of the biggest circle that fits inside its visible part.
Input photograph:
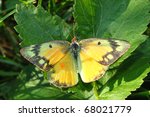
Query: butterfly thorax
(75, 48)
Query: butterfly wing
(64, 73)
(97, 54)
(89, 69)
(56, 58)
(45, 55)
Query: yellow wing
(97, 54)
(56, 58)
(89, 69)
(64, 73)
(47, 54)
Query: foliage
(43, 28)
(120, 19)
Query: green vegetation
(35, 22)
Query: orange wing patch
(62, 65)
(45, 55)
(53, 55)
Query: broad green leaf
(120, 19)
(10, 4)
(126, 80)
(35, 25)
(93, 17)
(132, 24)
(144, 49)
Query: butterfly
(64, 62)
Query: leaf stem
(7, 15)
(39, 2)
(95, 90)
(49, 6)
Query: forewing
(105, 51)
(47, 54)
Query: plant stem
(7, 15)
(39, 2)
(95, 90)
(49, 6)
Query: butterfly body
(75, 48)
(65, 61)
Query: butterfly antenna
(74, 32)
(73, 28)
(70, 35)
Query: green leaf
(120, 19)
(144, 95)
(126, 80)
(35, 25)
(8, 73)
(8, 61)
(144, 49)
(10, 4)
(30, 84)
(93, 17)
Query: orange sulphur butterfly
(63, 60)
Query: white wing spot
(109, 56)
(119, 48)
(41, 61)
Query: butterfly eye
(50, 46)
(99, 43)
